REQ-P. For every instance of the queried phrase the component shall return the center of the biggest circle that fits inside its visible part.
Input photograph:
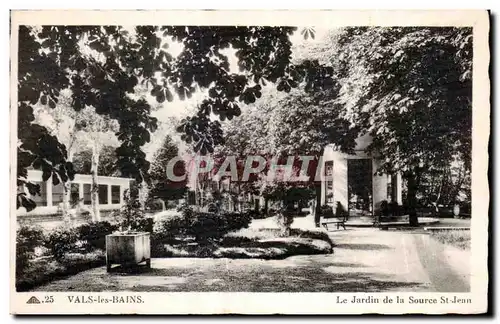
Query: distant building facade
(350, 179)
(111, 191)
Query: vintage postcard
(249, 162)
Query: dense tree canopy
(82, 162)
(102, 65)
(161, 186)
(411, 90)
(287, 126)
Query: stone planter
(128, 250)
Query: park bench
(339, 221)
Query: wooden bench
(340, 221)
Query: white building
(350, 179)
(111, 190)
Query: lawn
(251, 243)
(457, 238)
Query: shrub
(384, 208)
(61, 240)
(167, 228)
(252, 212)
(237, 221)
(340, 211)
(285, 220)
(326, 211)
(39, 272)
(272, 211)
(131, 211)
(257, 214)
(205, 226)
(45, 270)
(73, 259)
(315, 235)
(153, 204)
(95, 234)
(395, 209)
(142, 224)
(28, 238)
(213, 208)
(202, 225)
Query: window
(57, 194)
(75, 194)
(115, 194)
(329, 182)
(103, 194)
(41, 200)
(329, 168)
(360, 187)
(86, 193)
(389, 188)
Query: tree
(77, 130)
(161, 185)
(410, 88)
(64, 124)
(82, 162)
(304, 125)
(291, 124)
(102, 65)
(98, 129)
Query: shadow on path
(241, 276)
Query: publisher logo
(33, 300)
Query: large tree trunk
(143, 195)
(317, 188)
(412, 199)
(435, 203)
(317, 207)
(67, 189)
(285, 219)
(94, 196)
(65, 203)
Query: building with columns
(111, 190)
(351, 180)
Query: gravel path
(365, 260)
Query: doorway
(359, 184)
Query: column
(379, 187)
(109, 195)
(397, 190)
(340, 182)
(48, 184)
(122, 192)
(80, 190)
(323, 183)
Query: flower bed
(251, 243)
(45, 269)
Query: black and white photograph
(249, 158)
